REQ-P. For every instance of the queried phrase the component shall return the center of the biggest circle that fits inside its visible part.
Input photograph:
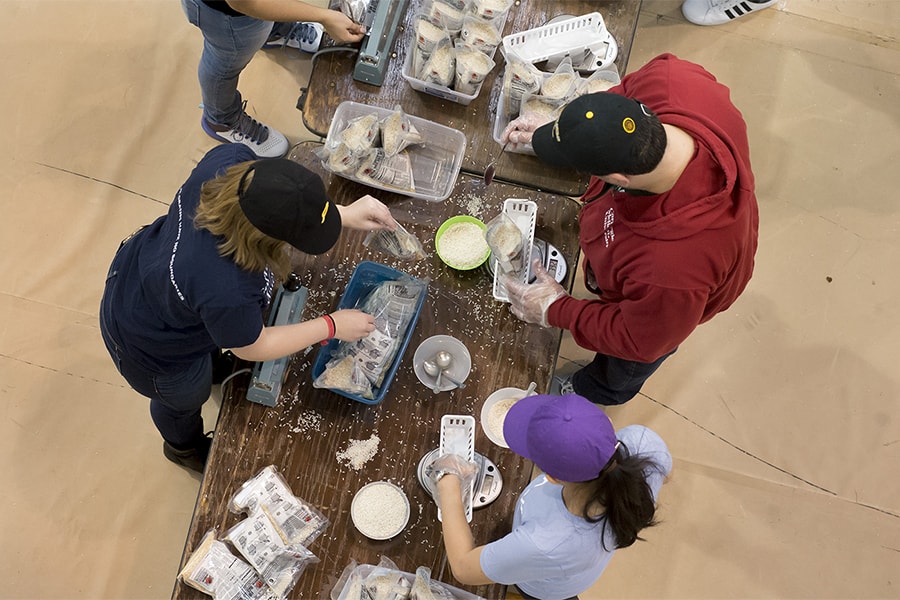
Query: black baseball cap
(287, 201)
(602, 133)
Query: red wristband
(329, 320)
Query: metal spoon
(530, 390)
(444, 359)
(435, 371)
(491, 169)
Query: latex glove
(367, 214)
(451, 464)
(520, 130)
(530, 302)
(341, 28)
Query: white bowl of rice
(493, 412)
(380, 510)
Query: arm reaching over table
(530, 302)
(520, 130)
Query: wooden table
(331, 82)
(303, 434)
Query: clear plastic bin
(435, 163)
(566, 37)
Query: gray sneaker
(561, 384)
(263, 140)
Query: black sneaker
(222, 366)
(192, 458)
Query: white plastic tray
(435, 163)
(458, 437)
(524, 215)
(568, 37)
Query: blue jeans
(176, 397)
(228, 45)
(609, 380)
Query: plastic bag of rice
(399, 243)
(355, 9)
(427, 37)
(392, 171)
(562, 83)
(490, 9)
(599, 81)
(439, 68)
(472, 66)
(338, 159)
(446, 15)
(361, 133)
(480, 34)
(398, 132)
(519, 78)
(541, 104)
(214, 570)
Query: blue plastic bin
(366, 278)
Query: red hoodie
(667, 262)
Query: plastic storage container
(567, 37)
(364, 279)
(435, 163)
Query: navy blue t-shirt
(176, 298)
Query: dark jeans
(175, 397)
(608, 380)
(527, 597)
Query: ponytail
(623, 491)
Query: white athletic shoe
(263, 140)
(717, 12)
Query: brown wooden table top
(331, 82)
(303, 434)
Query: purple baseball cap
(568, 437)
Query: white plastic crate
(567, 37)
(524, 214)
(458, 437)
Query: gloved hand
(451, 464)
(520, 130)
(530, 302)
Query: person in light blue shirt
(598, 490)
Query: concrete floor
(782, 413)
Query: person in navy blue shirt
(198, 279)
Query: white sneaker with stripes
(718, 12)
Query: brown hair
(219, 212)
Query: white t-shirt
(552, 554)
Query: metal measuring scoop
(435, 371)
(491, 169)
(444, 359)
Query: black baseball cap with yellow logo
(600, 134)
(287, 201)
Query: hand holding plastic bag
(451, 464)
(530, 302)
(520, 129)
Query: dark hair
(648, 147)
(623, 491)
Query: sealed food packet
(599, 81)
(338, 159)
(344, 374)
(393, 171)
(361, 133)
(490, 9)
(519, 78)
(398, 132)
(278, 564)
(480, 34)
(296, 521)
(440, 66)
(399, 243)
(446, 15)
(506, 242)
(472, 66)
(428, 35)
(536, 103)
(214, 570)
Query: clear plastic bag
(480, 34)
(398, 132)
(296, 521)
(562, 84)
(506, 242)
(393, 171)
(339, 158)
(519, 78)
(471, 66)
(599, 81)
(428, 36)
(260, 543)
(440, 68)
(361, 133)
(490, 9)
(214, 570)
(399, 243)
(423, 588)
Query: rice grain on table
(359, 452)
(463, 245)
(379, 510)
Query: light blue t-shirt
(552, 554)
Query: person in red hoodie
(668, 226)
